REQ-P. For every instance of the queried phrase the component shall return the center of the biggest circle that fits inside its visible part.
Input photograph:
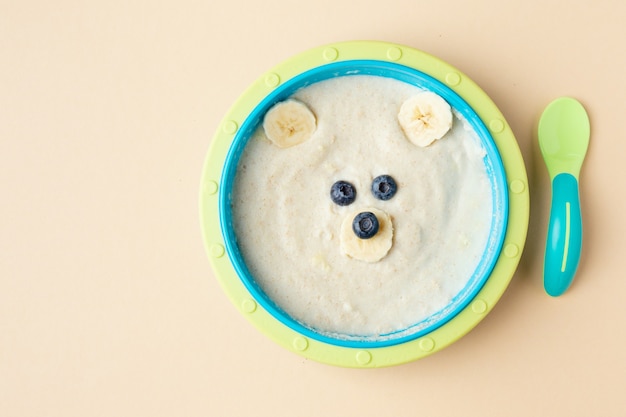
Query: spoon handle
(564, 240)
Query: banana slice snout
(289, 123)
(425, 118)
(359, 238)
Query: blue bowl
(493, 166)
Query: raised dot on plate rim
(427, 344)
(248, 305)
(330, 54)
(217, 250)
(496, 125)
(363, 357)
(479, 306)
(453, 78)
(394, 53)
(272, 79)
(210, 187)
(230, 126)
(511, 250)
(517, 186)
(300, 343)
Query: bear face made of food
(362, 206)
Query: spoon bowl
(564, 132)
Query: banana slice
(289, 123)
(425, 118)
(368, 250)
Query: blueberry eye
(384, 187)
(365, 225)
(342, 193)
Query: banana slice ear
(289, 123)
(425, 118)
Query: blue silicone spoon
(563, 138)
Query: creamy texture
(288, 228)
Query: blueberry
(365, 225)
(342, 193)
(384, 187)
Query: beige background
(108, 306)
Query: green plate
(476, 309)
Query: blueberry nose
(365, 225)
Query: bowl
(502, 162)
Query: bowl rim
(364, 355)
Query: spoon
(563, 139)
